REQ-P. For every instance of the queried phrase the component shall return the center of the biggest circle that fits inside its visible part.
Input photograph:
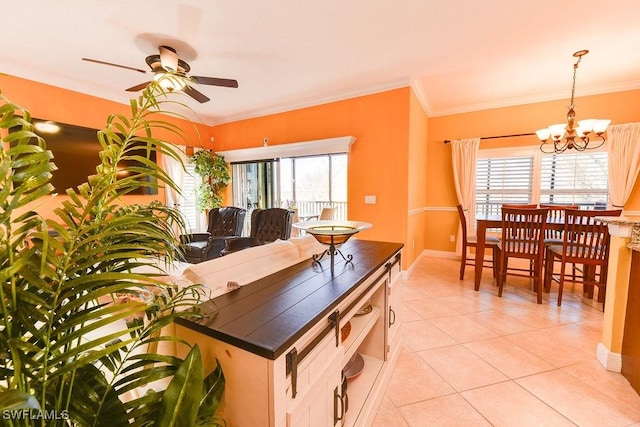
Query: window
(308, 182)
(575, 179)
(315, 181)
(525, 175)
(503, 180)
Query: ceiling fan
(168, 61)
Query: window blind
(575, 179)
(503, 180)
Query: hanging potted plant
(80, 326)
(214, 172)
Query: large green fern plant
(79, 326)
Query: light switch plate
(369, 200)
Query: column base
(610, 360)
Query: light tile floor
(470, 358)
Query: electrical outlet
(452, 238)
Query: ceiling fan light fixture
(577, 136)
(169, 82)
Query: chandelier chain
(573, 87)
(572, 135)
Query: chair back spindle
(556, 214)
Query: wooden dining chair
(553, 236)
(523, 206)
(556, 213)
(522, 237)
(471, 242)
(585, 242)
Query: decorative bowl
(331, 232)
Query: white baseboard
(409, 271)
(441, 254)
(610, 360)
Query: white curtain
(175, 169)
(463, 155)
(623, 144)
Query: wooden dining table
(485, 222)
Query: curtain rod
(446, 141)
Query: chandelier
(577, 137)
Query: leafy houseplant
(81, 326)
(214, 171)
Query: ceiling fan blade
(138, 87)
(213, 81)
(198, 96)
(114, 65)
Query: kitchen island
(284, 340)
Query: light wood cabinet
(282, 343)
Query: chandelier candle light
(577, 137)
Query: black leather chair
(267, 225)
(224, 223)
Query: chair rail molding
(341, 144)
(440, 208)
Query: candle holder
(333, 234)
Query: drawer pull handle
(392, 316)
(292, 362)
(334, 320)
(342, 401)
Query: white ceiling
(459, 55)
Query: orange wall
(53, 103)
(417, 180)
(620, 107)
(378, 158)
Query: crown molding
(524, 100)
(418, 90)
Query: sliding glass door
(306, 183)
(255, 185)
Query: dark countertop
(267, 316)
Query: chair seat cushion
(489, 240)
(549, 242)
(575, 252)
(196, 245)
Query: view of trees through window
(306, 183)
(312, 182)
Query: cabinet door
(319, 407)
